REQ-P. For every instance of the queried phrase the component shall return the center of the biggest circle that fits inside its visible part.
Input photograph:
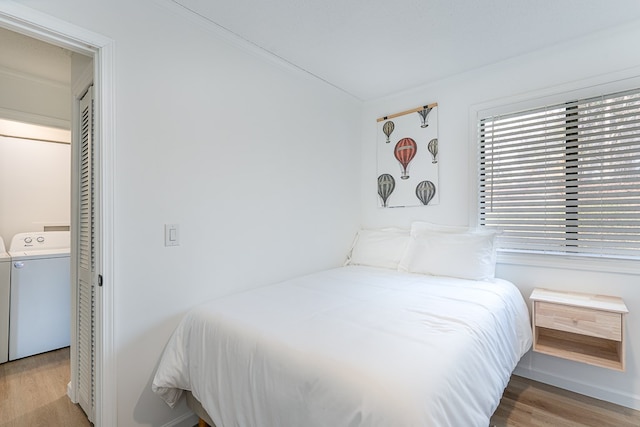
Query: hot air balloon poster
(408, 158)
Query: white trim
(106, 411)
(70, 391)
(83, 81)
(33, 23)
(22, 130)
(566, 262)
(185, 420)
(617, 397)
(36, 119)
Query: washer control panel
(28, 240)
(40, 241)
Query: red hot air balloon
(404, 152)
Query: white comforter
(353, 346)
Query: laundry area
(35, 196)
(35, 280)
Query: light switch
(171, 235)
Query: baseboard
(71, 394)
(185, 420)
(602, 393)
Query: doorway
(38, 181)
(20, 19)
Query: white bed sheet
(353, 346)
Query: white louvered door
(86, 262)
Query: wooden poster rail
(414, 110)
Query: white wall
(34, 175)
(262, 168)
(258, 164)
(34, 185)
(593, 60)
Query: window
(564, 178)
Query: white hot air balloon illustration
(388, 128)
(433, 149)
(425, 191)
(386, 185)
(424, 113)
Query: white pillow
(418, 227)
(463, 255)
(379, 248)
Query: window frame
(528, 101)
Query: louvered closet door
(86, 262)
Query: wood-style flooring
(33, 392)
(527, 403)
(533, 404)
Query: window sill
(567, 262)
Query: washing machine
(40, 307)
(5, 285)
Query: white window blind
(564, 178)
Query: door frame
(33, 23)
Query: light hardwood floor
(527, 403)
(33, 392)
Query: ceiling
(374, 48)
(30, 57)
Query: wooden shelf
(580, 327)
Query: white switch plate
(171, 234)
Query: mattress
(352, 346)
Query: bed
(358, 345)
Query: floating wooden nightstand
(582, 327)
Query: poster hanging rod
(414, 110)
